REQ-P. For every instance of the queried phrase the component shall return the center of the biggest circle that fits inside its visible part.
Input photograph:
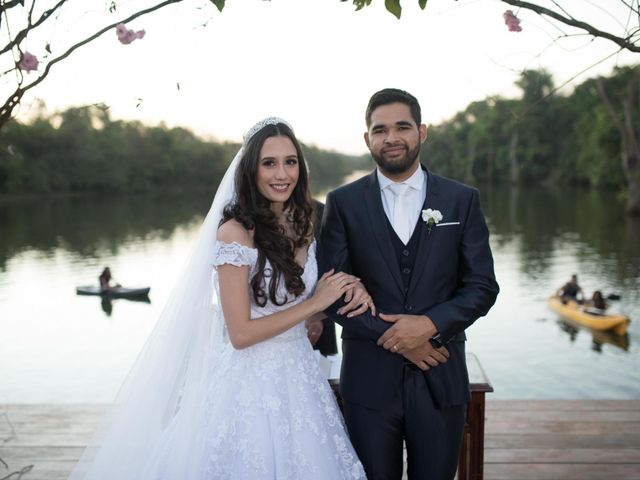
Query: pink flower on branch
(511, 21)
(28, 62)
(126, 36)
(121, 30)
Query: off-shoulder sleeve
(234, 254)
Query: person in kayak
(105, 279)
(598, 301)
(570, 290)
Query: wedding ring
(394, 348)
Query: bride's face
(278, 170)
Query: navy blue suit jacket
(453, 282)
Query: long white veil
(153, 424)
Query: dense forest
(542, 137)
(83, 150)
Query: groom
(420, 244)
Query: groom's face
(394, 139)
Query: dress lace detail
(234, 254)
(270, 413)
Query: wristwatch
(436, 341)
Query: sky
(312, 62)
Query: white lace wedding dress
(270, 412)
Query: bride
(228, 386)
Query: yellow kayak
(580, 314)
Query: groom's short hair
(393, 95)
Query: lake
(57, 347)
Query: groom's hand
(407, 333)
(426, 356)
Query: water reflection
(598, 337)
(106, 302)
(107, 305)
(92, 226)
(53, 350)
(544, 221)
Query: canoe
(579, 314)
(113, 292)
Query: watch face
(435, 341)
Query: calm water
(59, 347)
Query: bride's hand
(331, 287)
(357, 301)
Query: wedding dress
(195, 408)
(269, 412)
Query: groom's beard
(397, 165)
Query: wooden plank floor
(570, 439)
(539, 439)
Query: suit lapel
(375, 210)
(426, 238)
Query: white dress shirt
(413, 198)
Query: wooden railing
(471, 461)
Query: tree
(628, 40)
(533, 129)
(576, 139)
(19, 19)
(82, 149)
(621, 96)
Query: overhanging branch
(23, 33)
(7, 109)
(10, 4)
(623, 42)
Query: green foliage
(598, 158)
(328, 168)
(550, 139)
(560, 139)
(360, 4)
(394, 7)
(219, 4)
(82, 150)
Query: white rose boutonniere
(431, 217)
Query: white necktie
(399, 219)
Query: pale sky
(313, 62)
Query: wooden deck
(571, 439)
(540, 439)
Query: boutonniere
(431, 217)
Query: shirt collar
(415, 181)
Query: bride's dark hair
(252, 210)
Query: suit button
(406, 270)
(405, 253)
(408, 308)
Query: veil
(153, 423)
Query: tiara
(260, 125)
